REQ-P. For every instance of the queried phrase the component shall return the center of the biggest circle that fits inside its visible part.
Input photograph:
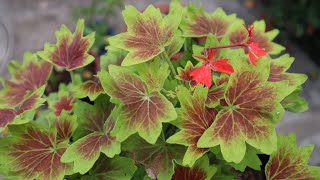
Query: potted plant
(211, 114)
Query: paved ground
(30, 23)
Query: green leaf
(139, 110)
(85, 151)
(148, 33)
(200, 170)
(71, 50)
(26, 78)
(157, 158)
(290, 161)
(117, 168)
(252, 106)
(113, 56)
(176, 44)
(193, 119)
(250, 159)
(33, 153)
(154, 74)
(295, 103)
(199, 23)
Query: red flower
(202, 74)
(253, 48)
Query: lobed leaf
(290, 161)
(193, 119)
(16, 115)
(200, 24)
(201, 170)
(71, 50)
(148, 33)
(61, 101)
(85, 151)
(33, 153)
(252, 106)
(91, 89)
(117, 168)
(157, 158)
(238, 34)
(65, 125)
(140, 110)
(26, 78)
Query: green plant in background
(140, 118)
(96, 17)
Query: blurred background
(27, 25)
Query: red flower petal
(202, 75)
(222, 65)
(255, 51)
(211, 54)
(200, 57)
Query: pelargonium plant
(187, 95)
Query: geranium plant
(187, 95)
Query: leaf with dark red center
(238, 34)
(215, 95)
(117, 168)
(26, 78)
(184, 74)
(89, 88)
(199, 23)
(201, 170)
(278, 68)
(19, 114)
(61, 101)
(157, 158)
(99, 121)
(154, 74)
(140, 110)
(92, 118)
(33, 153)
(193, 119)
(148, 33)
(252, 107)
(290, 162)
(65, 125)
(71, 50)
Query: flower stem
(166, 57)
(226, 46)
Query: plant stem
(163, 135)
(226, 46)
(166, 57)
(72, 77)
